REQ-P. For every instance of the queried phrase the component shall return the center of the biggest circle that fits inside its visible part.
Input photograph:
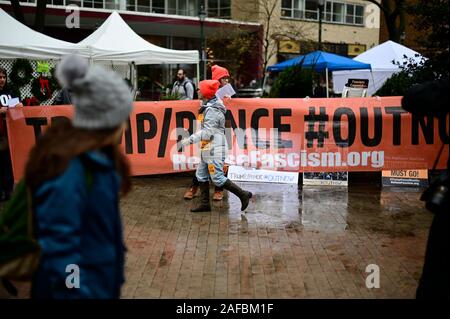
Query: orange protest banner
(356, 134)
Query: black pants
(434, 283)
(6, 175)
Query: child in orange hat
(221, 75)
(213, 148)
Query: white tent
(380, 58)
(19, 41)
(114, 41)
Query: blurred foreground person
(76, 173)
(431, 99)
(213, 148)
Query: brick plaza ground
(293, 242)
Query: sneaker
(191, 192)
(218, 195)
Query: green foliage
(232, 48)
(293, 82)
(21, 73)
(170, 96)
(411, 73)
(431, 19)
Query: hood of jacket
(214, 103)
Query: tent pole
(326, 77)
(373, 83)
(198, 73)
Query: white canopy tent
(19, 41)
(114, 41)
(380, 58)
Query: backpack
(195, 97)
(18, 243)
(20, 250)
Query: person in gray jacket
(213, 148)
(183, 86)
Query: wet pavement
(314, 242)
(293, 242)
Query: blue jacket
(78, 222)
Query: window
(219, 8)
(311, 10)
(338, 12)
(182, 7)
(359, 15)
(334, 11)
(158, 6)
(350, 14)
(286, 8)
(131, 5)
(143, 5)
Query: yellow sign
(356, 49)
(43, 67)
(404, 177)
(288, 46)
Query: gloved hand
(185, 142)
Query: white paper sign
(326, 178)
(226, 90)
(249, 174)
(13, 102)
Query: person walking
(76, 173)
(222, 75)
(183, 86)
(213, 148)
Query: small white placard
(326, 178)
(249, 174)
(226, 90)
(13, 102)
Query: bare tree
(268, 14)
(232, 47)
(394, 12)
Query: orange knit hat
(219, 72)
(208, 88)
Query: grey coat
(212, 131)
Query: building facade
(282, 28)
(348, 27)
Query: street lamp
(202, 17)
(321, 5)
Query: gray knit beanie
(101, 98)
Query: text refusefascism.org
(291, 161)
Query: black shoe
(243, 195)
